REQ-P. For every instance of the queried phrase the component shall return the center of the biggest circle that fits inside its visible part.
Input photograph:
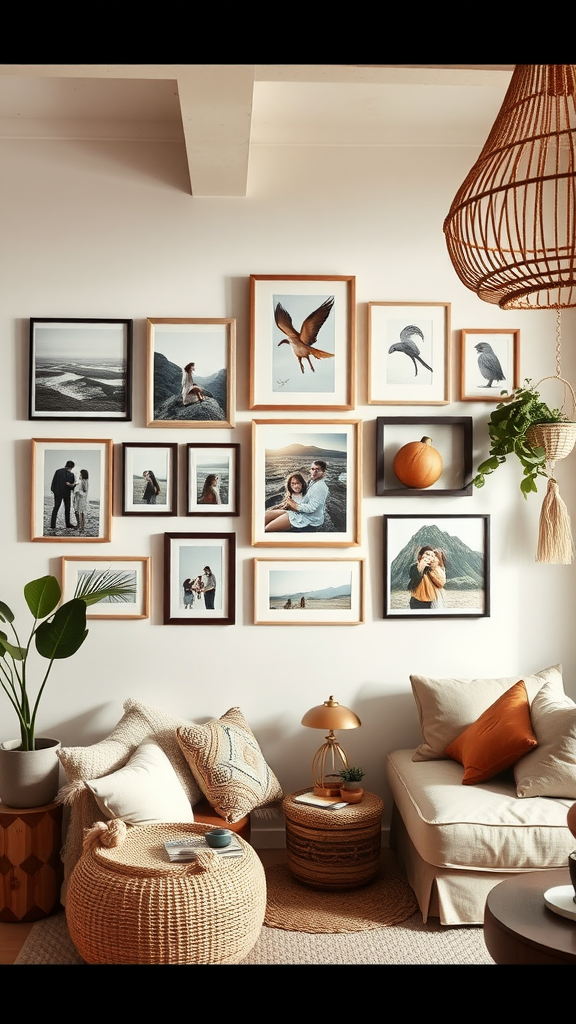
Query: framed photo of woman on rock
(191, 372)
(199, 579)
(436, 566)
(306, 483)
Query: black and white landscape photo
(80, 369)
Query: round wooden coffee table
(520, 929)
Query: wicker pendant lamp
(511, 229)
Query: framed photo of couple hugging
(306, 483)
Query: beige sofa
(457, 841)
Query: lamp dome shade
(331, 715)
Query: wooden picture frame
(191, 372)
(308, 592)
(53, 481)
(149, 478)
(302, 341)
(192, 596)
(213, 480)
(436, 566)
(408, 353)
(80, 369)
(450, 435)
(283, 449)
(73, 567)
(485, 373)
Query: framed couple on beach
(306, 483)
(71, 490)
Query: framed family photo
(408, 353)
(302, 342)
(436, 566)
(213, 480)
(451, 436)
(149, 479)
(306, 483)
(489, 364)
(308, 592)
(191, 372)
(131, 572)
(71, 489)
(80, 369)
(199, 579)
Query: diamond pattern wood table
(30, 865)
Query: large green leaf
(99, 584)
(42, 596)
(18, 653)
(63, 634)
(6, 613)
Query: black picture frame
(464, 544)
(186, 555)
(451, 435)
(162, 459)
(80, 369)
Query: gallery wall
(108, 230)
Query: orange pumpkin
(418, 464)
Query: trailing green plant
(57, 633)
(507, 427)
(351, 774)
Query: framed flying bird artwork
(408, 359)
(489, 364)
(302, 342)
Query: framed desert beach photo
(308, 592)
(80, 369)
(213, 480)
(199, 579)
(71, 489)
(302, 342)
(149, 479)
(191, 372)
(408, 361)
(306, 483)
(436, 566)
(131, 574)
(489, 364)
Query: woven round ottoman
(333, 849)
(128, 904)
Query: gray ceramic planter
(29, 778)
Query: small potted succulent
(350, 789)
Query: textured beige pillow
(145, 791)
(138, 721)
(228, 765)
(550, 769)
(447, 706)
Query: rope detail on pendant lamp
(511, 228)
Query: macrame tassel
(555, 544)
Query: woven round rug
(298, 908)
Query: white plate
(560, 899)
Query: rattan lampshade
(511, 229)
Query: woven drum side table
(129, 904)
(333, 849)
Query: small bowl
(219, 837)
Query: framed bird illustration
(489, 363)
(408, 359)
(302, 342)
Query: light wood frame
(419, 373)
(503, 356)
(223, 458)
(48, 455)
(139, 609)
(302, 577)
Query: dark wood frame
(234, 486)
(152, 510)
(423, 425)
(229, 544)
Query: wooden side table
(30, 865)
(518, 926)
(334, 850)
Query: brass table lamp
(329, 715)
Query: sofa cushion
(228, 765)
(550, 770)
(145, 791)
(497, 739)
(447, 706)
(138, 722)
(484, 827)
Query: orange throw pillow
(496, 740)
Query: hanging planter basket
(557, 439)
(555, 543)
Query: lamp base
(327, 788)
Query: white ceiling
(218, 111)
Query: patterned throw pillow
(228, 765)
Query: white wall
(107, 230)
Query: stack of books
(331, 803)
(189, 847)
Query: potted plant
(350, 788)
(521, 426)
(29, 766)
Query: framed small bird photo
(489, 364)
(408, 362)
(302, 342)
